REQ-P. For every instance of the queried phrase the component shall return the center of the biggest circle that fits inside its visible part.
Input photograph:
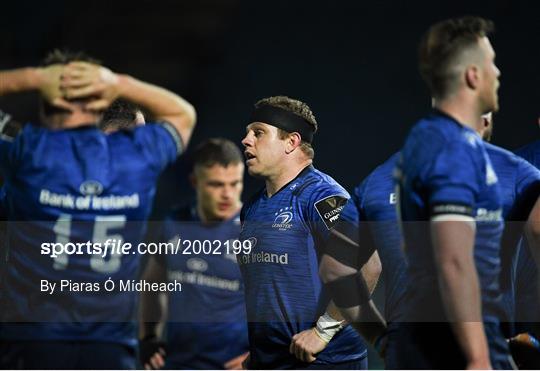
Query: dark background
(353, 62)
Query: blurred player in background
(291, 321)
(66, 182)
(205, 324)
(527, 287)
(450, 204)
(377, 231)
(520, 188)
(375, 200)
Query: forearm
(367, 320)
(371, 271)
(161, 103)
(19, 80)
(458, 281)
(353, 295)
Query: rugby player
(205, 324)
(66, 181)
(451, 208)
(291, 321)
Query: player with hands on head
(67, 157)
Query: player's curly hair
(120, 115)
(298, 108)
(442, 46)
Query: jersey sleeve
(527, 190)
(452, 181)
(160, 142)
(350, 241)
(327, 205)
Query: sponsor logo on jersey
(263, 257)
(91, 188)
(88, 202)
(196, 264)
(283, 219)
(484, 215)
(330, 208)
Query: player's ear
(294, 140)
(472, 76)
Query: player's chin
(495, 105)
(253, 171)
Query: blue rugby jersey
(77, 185)
(284, 294)
(375, 200)
(527, 298)
(520, 184)
(207, 323)
(445, 169)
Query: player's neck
(466, 113)
(70, 121)
(286, 175)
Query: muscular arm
(161, 103)
(46, 80)
(19, 80)
(365, 318)
(453, 243)
(371, 271)
(84, 79)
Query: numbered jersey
(206, 321)
(284, 294)
(77, 188)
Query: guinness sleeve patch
(330, 208)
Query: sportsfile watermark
(75, 268)
(119, 247)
